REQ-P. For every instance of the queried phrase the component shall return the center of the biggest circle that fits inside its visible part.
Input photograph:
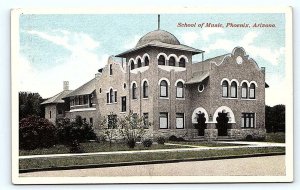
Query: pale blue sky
(54, 48)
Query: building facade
(218, 98)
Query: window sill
(180, 98)
(247, 99)
(145, 98)
(164, 98)
(123, 112)
(180, 128)
(229, 98)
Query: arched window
(139, 64)
(110, 69)
(145, 89)
(179, 90)
(134, 91)
(244, 90)
(172, 61)
(111, 96)
(233, 89)
(182, 62)
(163, 88)
(225, 89)
(146, 61)
(131, 65)
(161, 60)
(252, 91)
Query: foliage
(161, 140)
(172, 138)
(75, 147)
(109, 133)
(201, 125)
(30, 104)
(275, 118)
(131, 127)
(147, 143)
(36, 132)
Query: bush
(249, 138)
(36, 132)
(161, 140)
(131, 143)
(173, 138)
(147, 143)
(75, 147)
(180, 139)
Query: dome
(158, 35)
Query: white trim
(235, 80)
(179, 80)
(247, 82)
(163, 78)
(83, 109)
(169, 68)
(175, 56)
(201, 109)
(228, 110)
(142, 83)
(203, 87)
(129, 62)
(144, 56)
(253, 83)
(183, 56)
(132, 84)
(161, 53)
(226, 80)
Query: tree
(275, 118)
(201, 125)
(30, 104)
(109, 133)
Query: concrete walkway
(189, 148)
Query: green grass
(94, 147)
(102, 159)
(275, 137)
(204, 143)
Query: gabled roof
(85, 89)
(198, 77)
(57, 98)
(163, 45)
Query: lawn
(103, 159)
(94, 147)
(275, 137)
(205, 143)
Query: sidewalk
(190, 148)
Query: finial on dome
(158, 21)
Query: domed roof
(158, 35)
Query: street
(255, 166)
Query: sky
(65, 47)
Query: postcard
(168, 95)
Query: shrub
(147, 143)
(249, 138)
(131, 143)
(36, 132)
(161, 140)
(75, 147)
(180, 139)
(173, 138)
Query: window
(146, 61)
(139, 64)
(182, 62)
(163, 120)
(112, 121)
(134, 91)
(110, 69)
(248, 120)
(131, 65)
(116, 96)
(145, 89)
(179, 90)
(200, 87)
(100, 90)
(50, 114)
(91, 121)
(123, 104)
(161, 60)
(172, 61)
(107, 97)
(111, 96)
(80, 100)
(85, 99)
(60, 111)
(179, 120)
(233, 90)
(244, 90)
(163, 88)
(252, 91)
(146, 120)
(225, 89)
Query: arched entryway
(223, 117)
(199, 120)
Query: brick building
(218, 98)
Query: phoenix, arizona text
(225, 25)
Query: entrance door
(222, 124)
(201, 125)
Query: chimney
(66, 85)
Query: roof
(198, 77)
(158, 35)
(163, 45)
(87, 88)
(57, 98)
(217, 59)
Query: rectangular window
(244, 92)
(248, 120)
(146, 120)
(179, 92)
(163, 120)
(107, 97)
(225, 91)
(233, 92)
(116, 96)
(112, 121)
(123, 104)
(50, 114)
(252, 93)
(110, 70)
(179, 120)
(91, 121)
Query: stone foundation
(211, 134)
(243, 134)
